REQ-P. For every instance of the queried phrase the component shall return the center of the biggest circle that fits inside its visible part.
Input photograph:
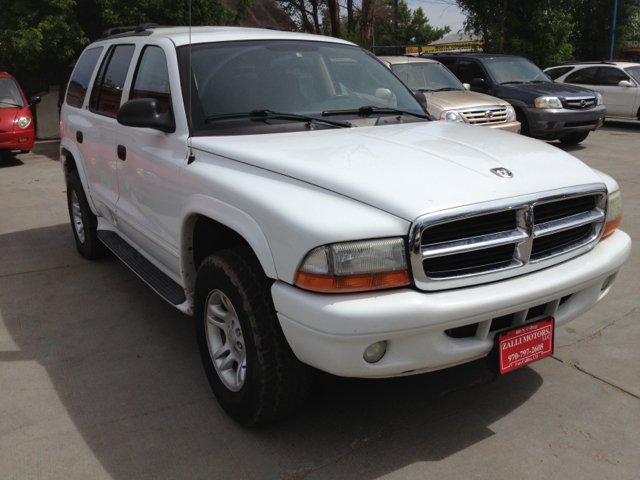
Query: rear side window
(77, 90)
(152, 78)
(107, 89)
(610, 77)
(584, 76)
(467, 71)
(558, 72)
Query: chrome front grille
(488, 242)
(488, 115)
(581, 102)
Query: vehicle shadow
(125, 366)
(632, 125)
(9, 160)
(47, 149)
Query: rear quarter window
(81, 77)
(584, 76)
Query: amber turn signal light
(610, 227)
(352, 283)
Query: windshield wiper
(368, 110)
(512, 82)
(445, 89)
(269, 114)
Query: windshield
(10, 96)
(300, 78)
(515, 70)
(634, 72)
(427, 77)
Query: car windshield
(10, 96)
(634, 72)
(427, 77)
(308, 79)
(515, 70)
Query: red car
(16, 122)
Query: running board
(147, 271)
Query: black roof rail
(269, 27)
(131, 30)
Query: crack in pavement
(6, 275)
(300, 473)
(599, 331)
(595, 377)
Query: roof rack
(269, 27)
(595, 62)
(131, 30)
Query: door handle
(79, 136)
(122, 152)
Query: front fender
(232, 217)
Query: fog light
(607, 282)
(375, 351)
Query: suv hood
(540, 89)
(412, 169)
(461, 99)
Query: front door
(150, 203)
(619, 100)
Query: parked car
(546, 110)
(16, 120)
(448, 99)
(617, 82)
(630, 55)
(318, 217)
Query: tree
(40, 34)
(412, 27)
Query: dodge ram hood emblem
(502, 172)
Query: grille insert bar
(488, 242)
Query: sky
(440, 13)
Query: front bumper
(550, 123)
(22, 140)
(331, 332)
(514, 127)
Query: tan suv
(448, 99)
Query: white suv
(617, 82)
(289, 192)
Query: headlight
(451, 116)
(599, 100)
(548, 102)
(511, 114)
(614, 214)
(355, 266)
(24, 122)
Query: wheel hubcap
(77, 216)
(225, 340)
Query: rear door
(99, 129)
(150, 203)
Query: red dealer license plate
(525, 344)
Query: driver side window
(468, 70)
(152, 78)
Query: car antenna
(192, 157)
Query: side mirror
(146, 113)
(467, 86)
(34, 101)
(479, 82)
(421, 97)
(625, 83)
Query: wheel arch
(210, 225)
(71, 161)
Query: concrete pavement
(100, 378)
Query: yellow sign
(448, 47)
(411, 50)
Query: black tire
(524, 123)
(574, 138)
(275, 382)
(88, 244)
